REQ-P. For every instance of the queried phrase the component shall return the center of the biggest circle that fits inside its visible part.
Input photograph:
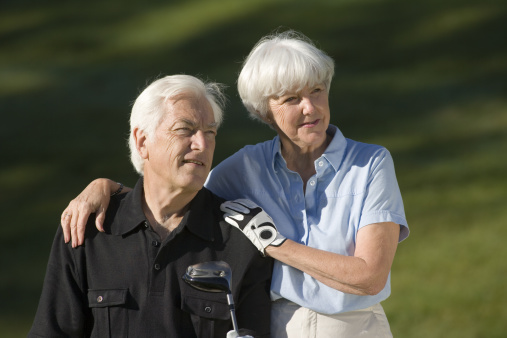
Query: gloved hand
(254, 222)
(234, 334)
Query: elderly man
(126, 281)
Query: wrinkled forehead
(190, 107)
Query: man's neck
(165, 207)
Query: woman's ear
(266, 117)
(141, 142)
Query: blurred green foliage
(427, 79)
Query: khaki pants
(289, 320)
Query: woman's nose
(308, 106)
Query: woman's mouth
(310, 124)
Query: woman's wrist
(117, 188)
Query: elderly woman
(336, 200)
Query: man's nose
(199, 141)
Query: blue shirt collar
(334, 153)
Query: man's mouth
(194, 162)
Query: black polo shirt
(126, 283)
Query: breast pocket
(209, 312)
(109, 312)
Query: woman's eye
(289, 99)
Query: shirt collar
(129, 214)
(335, 151)
(333, 154)
(202, 215)
(198, 219)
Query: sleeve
(62, 309)
(383, 201)
(254, 306)
(229, 179)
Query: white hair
(150, 106)
(279, 63)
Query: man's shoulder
(213, 200)
(113, 208)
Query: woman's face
(301, 117)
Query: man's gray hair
(279, 63)
(150, 106)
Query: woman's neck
(302, 160)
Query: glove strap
(279, 240)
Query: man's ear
(141, 142)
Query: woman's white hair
(279, 63)
(150, 106)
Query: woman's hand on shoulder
(94, 198)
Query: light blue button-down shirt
(354, 186)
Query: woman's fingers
(65, 222)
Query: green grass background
(425, 78)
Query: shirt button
(321, 163)
(155, 243)
(146, 225)
(207, 309)
(312, 183)
(157, 266)
(100, 299)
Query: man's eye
(183, 130)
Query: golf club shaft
(230, 301)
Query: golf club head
(214, 276)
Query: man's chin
(194, 182)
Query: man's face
(180, 152)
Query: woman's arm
(365, 273)
(94, 198)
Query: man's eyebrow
(194, 124)
(186, 121)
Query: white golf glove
(254, 222)
(234, 334)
